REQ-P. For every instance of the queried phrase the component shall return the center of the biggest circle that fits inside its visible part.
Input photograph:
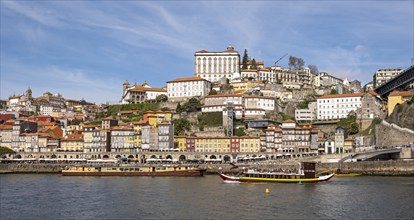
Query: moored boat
(133, 171)
(305, 175)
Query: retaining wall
(377, 168)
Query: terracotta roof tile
(224, 95)
(187, 79)
(402, 93)
(342, 95)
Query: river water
(51, 196)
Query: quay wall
(374, 168)
(31, 168)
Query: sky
(87, 49)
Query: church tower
(29, 93)
(126, 85)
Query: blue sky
(86, 49)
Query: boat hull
(275, 180)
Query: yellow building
(249, 144)
(398, 97)
(245, 86)
(154, 118)
(137, 126)
(70, 129)
(72, 142)
(88, 136)
(5, 135)
(348, 144)
(179, 143)
(212, 144)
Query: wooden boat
(133, 171)
(307, 175)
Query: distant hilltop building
(384, 75)
(213, 66)
(140, 93)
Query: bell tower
(29, 93)
(125, 85)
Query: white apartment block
(219, 102)
(381, 76)
(213, 66)
(244, 106)
(165, 136)
(333, 107)
(246, 74)
(188, 87)
(327, 80)
(46, 110)
(260, 102)
(122, 139)
(308, 114)
(266, 75)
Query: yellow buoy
(267, 190)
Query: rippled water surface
(42, 196)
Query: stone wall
(388, 135)
(31, 168)
(211, 131)
(326, 126)
(377, 168)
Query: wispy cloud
(72, 83)
(78, 47)
(48, 17)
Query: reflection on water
(53, 196)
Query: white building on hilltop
(382, 76)
(188, 87)
(140, 93)
(213, 66)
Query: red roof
(402, 93)
(342, 95)
(187, 79)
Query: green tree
(245, 59)
(300, 63)
(313, 69)
(161, 98)
(6, 150)
(254, 64)
(181, 126)
(334, 92)
(239, 132)
(179, 109)
(292, 62)
(296, 63)
(353, 128)
(213, 92)
(192, 105)
(303, 105)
